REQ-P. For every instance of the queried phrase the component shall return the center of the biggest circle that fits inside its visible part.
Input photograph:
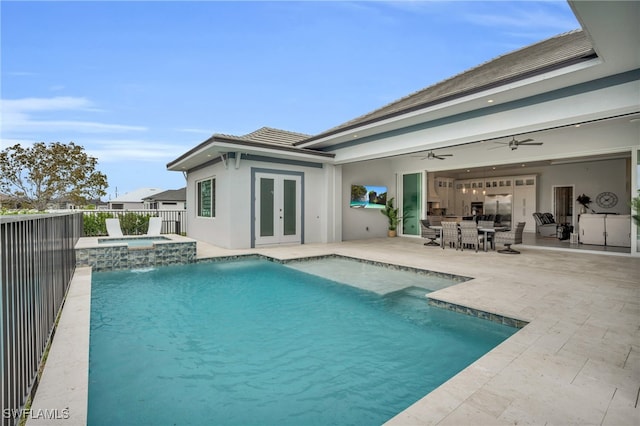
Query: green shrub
(94, 223)
(134, 223)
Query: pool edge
(64, 387)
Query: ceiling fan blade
(530, 144)
(438, 157)
(524, 141)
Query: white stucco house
(172, 199)
(134, 199)
(575, 99)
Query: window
(206, 196)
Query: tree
(41, 173)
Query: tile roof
(269, 135)
(544, 56)
(265, 137)
(169, 195)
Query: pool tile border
(453, 277)
(501, 319)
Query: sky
(137, 84)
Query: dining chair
(428, 233)
(514, 236)
(469, 235)
(450, 235)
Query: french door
(277, 207)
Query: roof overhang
(218, 147)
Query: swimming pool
(255, 342)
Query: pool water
(254, 342)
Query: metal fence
(173, 221)
(37, 262)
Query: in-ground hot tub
(133, 241)
(112, 254)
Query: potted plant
(391, 213)
(585, 200)
(635, 206)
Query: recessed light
(577, 125)
(490, 101)
(524, 165)
(468, 170)
(494, 167)
(355, 136)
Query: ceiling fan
(514, 144)
(431, 155)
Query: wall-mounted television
(368, 196)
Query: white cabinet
(618, 230)
(522, 188)
(592, 229)
(605, 229)
(444, 188)
(524, 202)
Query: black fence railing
(173, 221)
(37, 262)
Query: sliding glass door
(411, 203)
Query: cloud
(121, 150)
(524, 19)
(7, 142)
(20, 116)
(45, 104)
(198, 131)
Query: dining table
(492, 230)
(487, 231)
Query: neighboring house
(576, 96)
(133, 200)
(173, 199)
(66, 204)
(9, 202)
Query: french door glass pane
(289, 206)
(411, 189)
(266, 207)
